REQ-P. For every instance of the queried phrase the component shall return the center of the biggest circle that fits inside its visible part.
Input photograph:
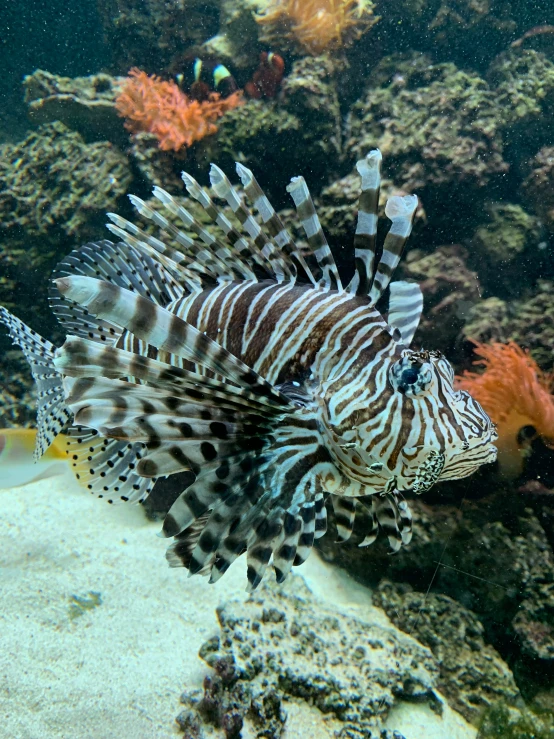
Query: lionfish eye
(410, 377)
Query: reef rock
(523, 84)
(506, 234)
(492, 556)
(151, 34)
(55, 183)
(528, 321)
(450, 290)
(283, 646)
(259, 134)
(237, 34)
(84, 104)
(54, 193)
(473, 676)
(538, 186)
(435, 124)
(503, 721)
(486, 321)
(534, 622)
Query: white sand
(118, 670)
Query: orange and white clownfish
(17, 465)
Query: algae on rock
(259, 134)
(509, 230)
(435, 124)
(84, 104)
(282, 645)
(54, 193)
(473, 676)
(450, 290)
(503, 721)
(529, 321)
(54, 183)
(523, 83)
(538, 186)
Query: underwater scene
(277, 369)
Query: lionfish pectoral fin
(235, 438)
(392, 514)
(405, 309)
(163, 330)
(52, 413)
(107, 467)
(253, 505)
(345, 514)
(119, 264)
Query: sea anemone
(515, 393)
(159, 107)
(319, 25)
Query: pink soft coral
(156, 106)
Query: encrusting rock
(435, 124)
(473, 676)
(84, 104)
(283, 646)
(53, 183)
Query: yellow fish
(17, 465)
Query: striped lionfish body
(243, 358)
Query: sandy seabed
(118, 669)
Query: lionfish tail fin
(52, 413)
(107, 467)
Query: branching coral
(319, 25)
(515, 393)
(159, 107)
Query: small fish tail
(52, 412)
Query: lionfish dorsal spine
(372, 276)
(281, 268)
(405, 308)
(317, 242)
(240, 245)
(365, 238)
(401, 210)
(275, 226)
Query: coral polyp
(159, 107)
(319, 25)
(515, 393)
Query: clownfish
(208, 77)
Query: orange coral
(320, 24)
(156, 106)
(515, 393)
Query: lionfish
(239, 355)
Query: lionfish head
(448, 434)
(425, 430)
